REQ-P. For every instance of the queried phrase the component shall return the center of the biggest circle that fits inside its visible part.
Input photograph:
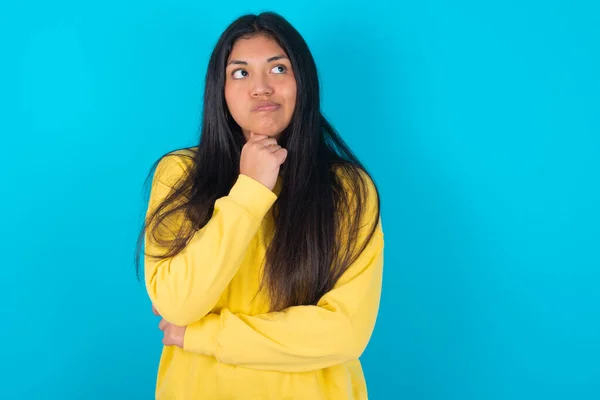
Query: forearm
(185, 287)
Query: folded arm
(185, 287)
(300, 338)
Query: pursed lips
(266, 106)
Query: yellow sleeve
(300, 338)
(186, 287)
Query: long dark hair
(320, 213)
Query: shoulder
(361, 193)
(174, 165)
(183, 157)
(356, 181)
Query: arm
(184, 288)
(300, 338)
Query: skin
(257, 71)
(172, 334)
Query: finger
(256, 136)
(155, 311)
(267, 141)
(162, 324)
(281, 155)
(274, 147)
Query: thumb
(256, 136)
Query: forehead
(258, 47)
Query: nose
(261, 87)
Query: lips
(265, 106)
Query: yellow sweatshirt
(234, 348)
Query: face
(260, 88)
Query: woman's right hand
(261, 159)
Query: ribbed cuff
(201, 337)
(255, 197)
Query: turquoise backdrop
(479, 120)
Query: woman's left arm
(300, 338)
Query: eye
(239, 73)
(279, 69)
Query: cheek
(233, 100)
(292, 102)
(290, 93)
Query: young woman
(263, 244)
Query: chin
(269, 131)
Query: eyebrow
(271, 59)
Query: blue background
(479, 120)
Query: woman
(263, 244)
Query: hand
(172, 334)
(261, 159)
